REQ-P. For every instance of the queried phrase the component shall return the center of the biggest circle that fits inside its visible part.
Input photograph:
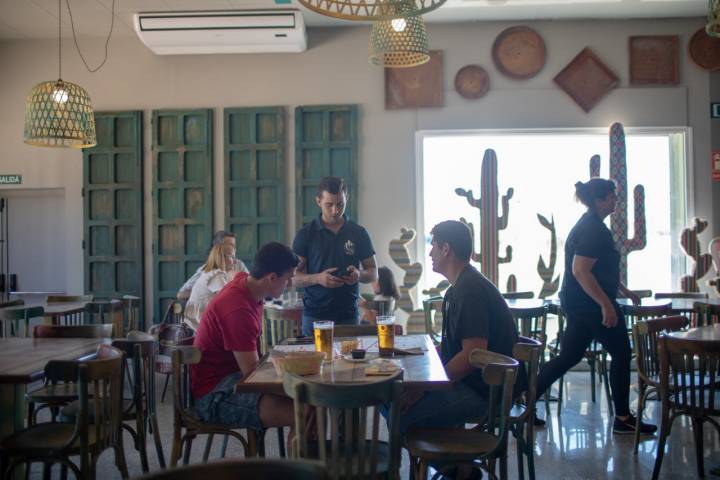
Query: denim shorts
(225, 407)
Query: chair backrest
(528, 351)
(68, 298)
(131, 312)
(639, 293)
(516, 295)
(72, 331)
(140, 350)
(360, 330)
(532, 321)
(697, 295)
(106, 311)
(645, 343)
(250, 469)
(705, 314)
(432, 307)
(634, 313)
(341, 416)
(182, 358)
(13, 319)
(12, 303)
(278, 324)
(499, 373)
(692, 367)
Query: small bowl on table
(358, 353)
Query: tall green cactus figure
(546, 272)
(701, 261)
(619, 219)
(490, 222)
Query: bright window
(542, 168)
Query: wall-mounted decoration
(586, 79)
(414, 87)
(400, 254)
(654, 60)
(472, 82)
(619, 218)
(490, 223)
(519, 52)
(714, 249)
(715, 165)
(705, 51)
(437, 290)
(547, 271)
(701, 262)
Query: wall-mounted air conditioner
(231, 31)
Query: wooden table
(709, 333)
(420, 372)
(53, 309)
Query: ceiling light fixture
(398, 43)
(369, 9)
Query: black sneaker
(538, 422)
(627, 426)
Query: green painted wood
(182, 191)
(254, 177)
(326, 143)
(113, 207)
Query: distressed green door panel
(182, 199)
(255, 177)
(326, 143)
(113, 207)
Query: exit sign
(10, 179)
(715, 110)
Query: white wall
(335, 70)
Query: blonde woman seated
(218, 270)
(383, 303)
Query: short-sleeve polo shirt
(590, 238)
(323, 249)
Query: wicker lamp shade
(713, 26)
(398, 43)
(369, 9)
(59, 114)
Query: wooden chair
(100, 389)
(645, 340)
(106, 311)
(12, 303)
(517, 295)
(689, 373)
(522, 414)
(478, 447)
(250, 469)
(72, 331)
(131, 312)
(532, 322)
(278, 324)
(432, 307)
(639, 293)
(73, 318)
(705, 314)
(691, 295)
(341, 415)
(635, 313)
(360, 330)
(16, 322)
(185, 418)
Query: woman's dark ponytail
(594, 189)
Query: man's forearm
(301, 280)
(368, 275)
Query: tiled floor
(579, 444)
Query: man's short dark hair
(332, 185)
(220, 236)
(274, 258)
(456, 235)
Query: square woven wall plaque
(586, 79)
(413, 87)
(654, 60)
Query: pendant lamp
(398, 43)
(369, 9)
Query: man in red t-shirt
(228, 340)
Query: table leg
(12, 415)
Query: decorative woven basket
(298, 363)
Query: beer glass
(323, 331)
(386, 335)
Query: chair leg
(591, 361)
(223, 449)
(519, 449)
(30, 411)
(176, 446)
(208, 447)
(188, 448)
(153, 425)
(664, 432)
(697, 426)
(561, 389)
(642, 393)
(167, 380)
(606, 380)
(281, 441)
(120, 459)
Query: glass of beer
(323, 331)
(386, 335)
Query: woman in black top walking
(589, 289)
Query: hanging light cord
(107, 41)
(59, 39)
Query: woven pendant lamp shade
(713, 26)
(397, 43)
(59, 114)
(369, 9)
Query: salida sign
(10, 179)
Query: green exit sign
(10, 179)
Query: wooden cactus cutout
(437, 290)
(511, 285)
(619, 219)
(546, 271)
(714, 249)
(400, 255)
(701, 261)
(490, 222)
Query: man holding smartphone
(335, 254)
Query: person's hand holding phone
(351, 276)
(329, 279)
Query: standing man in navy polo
(335, 254)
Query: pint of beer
(386, 335)
(323, 331)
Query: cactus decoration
(714, 249)
(511, 285)
(490, 222)
(437, 290)
(619, 219)
(400, 254)
(701, 261)
(546, 271)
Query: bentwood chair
(106, 311)
(705, 314)
(131, 312)
(477, 447)
(251, 469)
(16, 322)
(279, 324)
(690, 386)
(341, 417)
(690, 295)
(432, 308)
(100, 389)
(635, 313)
(645, 340)
(639, 293)
(71, 318)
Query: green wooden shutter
(113, 207)
(326, 143)
(254, 177)
(182, 198)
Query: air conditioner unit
(231, 31)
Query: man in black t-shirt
(335, 254)
(475, 315)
